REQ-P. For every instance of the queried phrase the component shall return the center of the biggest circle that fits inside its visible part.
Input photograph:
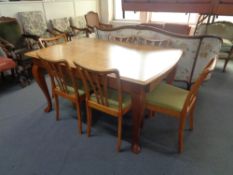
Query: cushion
(78, 21)
(226, 47)
(167, 96)
(6, 64)
(113, 99)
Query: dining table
(141, 68)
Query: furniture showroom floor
(34, 143)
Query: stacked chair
(62, 25)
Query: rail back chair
(177, 102)
(65, 84)
(104, 98)
(92, 20)
(46, 42)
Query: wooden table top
(136, 63)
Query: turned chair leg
(89, 120)
(79, 120)
(225, 64)
(56, 106)
(119, 133)
(181, 134)
(191, 116)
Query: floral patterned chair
(224, 30)
(78, 23)
(15, 44)
(34, 24)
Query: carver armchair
(46, 42)
(177, 102)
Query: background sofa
(197, 50)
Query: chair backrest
(33, 22)
(62, 24)
(92, 19)
(11, 32)
(99, 83)
(46, 42)
(61, 76)
(191, 98)
(222, 29)
(78, 21)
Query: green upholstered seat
(71, 90)
(113, 99)
(167, 96)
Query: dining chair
(65, 84)
(177, 102)
(49, 41)
(105, 99)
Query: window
(129, 15)
(184, 18)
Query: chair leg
(225, 64)
(13, 72)
(191, 116)
(119, 133)
(181, 134)
(56, 106)
(79, 117)
(89, 120)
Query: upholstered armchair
(92, 20)
(78, 24)
(62, 25)
(224, 30)
(15, 44)
(34, 24)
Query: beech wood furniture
(177, 102)
(49, 41)
(64, 84)
(104, 98)
(141, 68)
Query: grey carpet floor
(33, 143)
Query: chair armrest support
(81, 29)
(108, 26)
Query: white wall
(50, 8)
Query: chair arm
(30, 36)
(106, 26)
(81, 29)
(51, 32)
(7, 44)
